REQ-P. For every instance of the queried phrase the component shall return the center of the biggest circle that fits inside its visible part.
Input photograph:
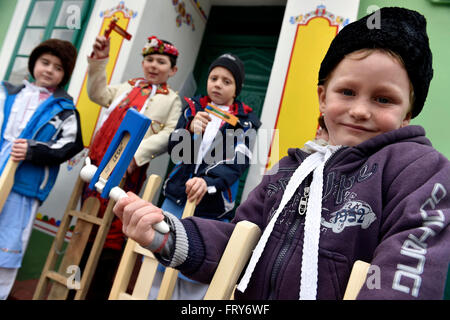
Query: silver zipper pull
(302, 206)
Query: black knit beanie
(234, 65)
(400, 30)
(62, 49)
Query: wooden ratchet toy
(113, 26)
(116, 160)
(227, 117)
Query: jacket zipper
(280, 258)
(288, 241)
(289, 238)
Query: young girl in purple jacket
(378, 192)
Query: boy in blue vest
(40, 128)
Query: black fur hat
(400, 30)
(62, 49)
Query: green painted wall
(435, 116)
(6, 13)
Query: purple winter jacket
(385, 201)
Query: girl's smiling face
(367, 94)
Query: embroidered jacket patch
(352, 213)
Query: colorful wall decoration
(183, 16)
(320, 11)
(120, 7)
(90, 111)
(299, 103)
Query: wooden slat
(124, 271)
(145, 278)
(189, 210)
(55, 276)
(132, 249)
(76, 247)
(86, 217)
(236, 254)
(7, 181)
(356, 280)
(58, 241)
(153, 183)
(124, 296)
(170, 275)
(167, 284)
(145, 252)
(96, 250)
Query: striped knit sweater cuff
(196, 255)
(179, 242)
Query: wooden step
(86, 217)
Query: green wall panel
(435, 116)
(6, 13)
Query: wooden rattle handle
(7, 181)
(117, 193)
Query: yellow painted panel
(299, 107)
(90, 111)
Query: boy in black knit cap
(41, 130)
(378, 192)
(212, 184)
(191, 180)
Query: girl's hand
(199, 123)
(101, 47)
(138, 216)
(196, 189)
(19, 150)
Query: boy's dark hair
(173, 59)
(62, 49)
(400, 30)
